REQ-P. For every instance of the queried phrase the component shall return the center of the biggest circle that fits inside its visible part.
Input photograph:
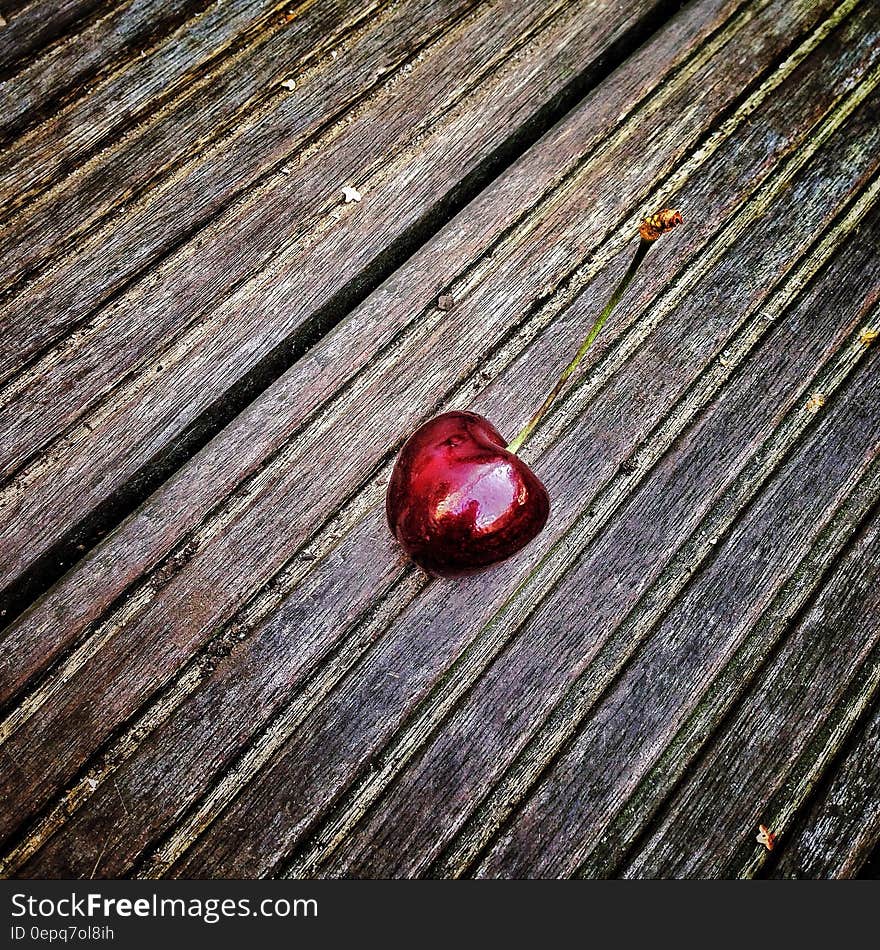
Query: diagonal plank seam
(78, 88)
(23, 476)
(166, 177)
(91, 780)
(834, 537)
(854, 219)
(328, 130)
(85, 533)
(596, 265)
(792, 785)
(435, 710)
(91, 13)
(795, 783)
(565, 183)
(860, 845)
(804, 775)
(199, 76)
(561, 726)
(255, 189)
(117, 749)
(120, 509)
(222, 514)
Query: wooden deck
(214, 661)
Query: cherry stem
(651, 229)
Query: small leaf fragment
(766, 837)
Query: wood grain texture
(208, 694)
(835, 835)
(798, 713)
(31, 25)
(126, 386)
(678, 684)
(111, 41)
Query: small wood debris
(2, 21)
(289, 84)
(868, 336)
(660, 223)
(724, 361)
(766, 837)
(815, 402)
(350, 194)
(445, 302)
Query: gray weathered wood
(31, 25)
(799, 710)
(246, 676)
(836, 834)
(131, 382)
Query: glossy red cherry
(458, 501)
(460, 498)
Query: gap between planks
(140, 484)
(838, 825)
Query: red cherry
(460, 498)
(458, 501)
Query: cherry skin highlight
(458, 501)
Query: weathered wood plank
(596, 618)
(197, 140)
(95, 89)
(113, 41)
(335, 571)
(123, 392)
(31, 26)
(333, 365)
(151, 529)
(285, 545)
(107, 169)
(835, 836)
(798, 712)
